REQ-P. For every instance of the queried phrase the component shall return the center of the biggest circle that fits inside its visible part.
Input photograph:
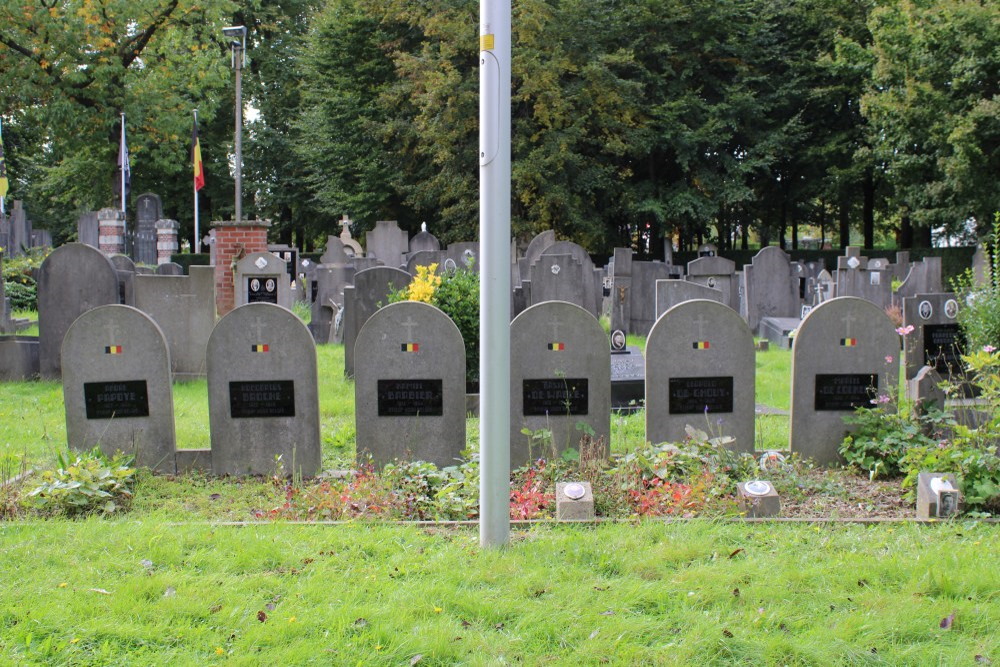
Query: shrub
(980, 318)
(883, 437)
(19, 280)
(91, 482)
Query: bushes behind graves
(19, 280)
(980, 317)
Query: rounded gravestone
(560, 380)
(117, 386)
(700, 372)
(409, 386)
(262, 393)
(73, 279)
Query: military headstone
(409, 386)
(845, 355)
(116, 386)
(370, 290)
(769, 287)
(262, 393)
(700, 372)
(560, 378)
(71, 281)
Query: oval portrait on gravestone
(926, 310)
(269, 285)
(951, 309)
(711, 281)
(254, 285)
(618, 340)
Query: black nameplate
(107, 400)
(845, 392)
(261, 399)
(262, 289)
(692, 396)
(555, 397)
(943, 344)
(410, 398)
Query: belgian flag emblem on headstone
(113, 349)
(849, 342)
(557, 347)
(701, 345)
(409, 347)
(260, 347)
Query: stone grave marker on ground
(937, 339)
(700, 371)
(718, 273)
(262, 394)
(184, 309)
(71, 281)
(148, 210)
(371, 288)
(845, 355)
(262, 277)
(116, 386)
(560, 376)
(424, 240)
(409, 386)
(388, 243)
(672, 292)
(770, 289)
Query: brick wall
(233, 241)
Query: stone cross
(700, 321)
(409, 325)
(258, 327)
(114, 331)
(848, 319)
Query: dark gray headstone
(148, 209)
(87, 231)
(388, 243)
(71, 281)
(845, 354)
(937, 338)
(262, 393)
(117, 387)
(924, 277)
(769, 287)
(170, 269)
(700, 372)
(645, 276)
(560, 377)
(424, 240)
(718, 273)
(370, 291)
(628, 379)
(669, 293)
(778, 330)
(409, 386)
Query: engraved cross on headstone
(258, 328)
(409, 325)
(555, 331)
(114, 332)
(700, 321)
(848, 319)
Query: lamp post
(239, 47)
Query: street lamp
(238, 35)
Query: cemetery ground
(201, 570)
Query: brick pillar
(166, 240)
(111, 231)
(233, 241)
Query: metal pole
(494, 238)
(238, 65)
(123, 157)
(194, 186)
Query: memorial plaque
(261, 399)
(410, 398)
(115, 400)
(262, 290)
(943, 345)
(696, 395)
(555, 397)
(845, 392)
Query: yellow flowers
(63, 585)
(219, 650)
(438, 610)
(423, 285)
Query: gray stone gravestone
(718, 273)
(700, 371)
(425, 258)
(86, 229)
(621, 290)
(388, 243)
(936, 339)
(148, 209)
(672, 292)
(845, 355)
(409, 386)
(645, 276)
(424, 240)
(116, 386)
(769, 287)
(924, 277)
(560, 377)
(370, 290)
(184, 309)
(464, 255)
(779, 330)
(170, 269)
(262, 277)
(125, 269)
(262, 393)
(71, 281)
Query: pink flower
(880, 400)
(902, 331)
(888, 358)
(989, 348)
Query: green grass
(126, 592)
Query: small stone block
(763, 345)
(938, 496)
(758, 499)
(574, 501)
(193, 460)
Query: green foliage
(980, 316)
(883, 437)
(19, 281)
(87, 483)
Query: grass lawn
(161, 586)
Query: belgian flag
(199, 167)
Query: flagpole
(121, 159)
(194, 184)
(3, 211)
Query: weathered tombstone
(628, 379)
(409, 386)
(425, 258)
(700, 372)
(87, 230)
(780, 330)
(463, 255)
(860, 277)
(424, 240)
(562, 278)
(769, 288)
(18, 358)
(936, 339)
(351, 247)
(621, 290)
(560, 377)
(924, 390)
(262, 394)
(262, 277)
(148, 209)
(645, 276)
(184, 309)
(125, 269)
(826, 287)
(671, 292)
(845, 355)
(388, 243)
(924, 277)
(116, 386)
(170, 269)
(370, 290)
(718, 273)
(71, 281)
(981, 268)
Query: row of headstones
(700, 371)
(17, 235)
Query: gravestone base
(472, 405)
(929, 500)
(628, 380)
(757, 506)
(18, 357)
(574, 509)
(194, 460)
(776, 330)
